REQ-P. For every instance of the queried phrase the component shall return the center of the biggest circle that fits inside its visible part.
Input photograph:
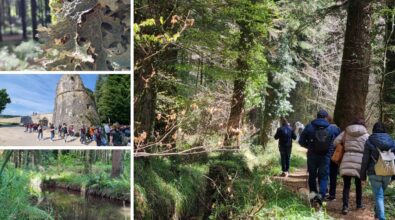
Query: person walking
(98, 136)
(116, 135)
(83, 134)
(350, 166)
(378, 142)
(333, 167)
(40, 132)
(64, 132)
(52, 130)
(107, 129)
(318, 138)
(284, 135)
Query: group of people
(361, 153)
(116, 135)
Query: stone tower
(73, 103)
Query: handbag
(339, 151)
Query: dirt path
(15, 136)
(297, 182)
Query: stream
(70, 205)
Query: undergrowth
(218, 186)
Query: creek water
(70, 205)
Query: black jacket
(384, 142)
(285, 134)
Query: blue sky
(35, 92)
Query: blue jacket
(285, 134)
(308, 133)
(384, 142)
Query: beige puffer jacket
(356, 136)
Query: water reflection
(70, 205)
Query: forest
(62, 184)
(65, 35)
(211, 81)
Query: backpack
(321, 141)
(385, 164)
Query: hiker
(318, 138)
(98, 136)
(60, 131)
(116, 135)
(92, 133)
(350, 166)
(40, 132)
(333, 167)
(107, 129)
(378, 141)
(284, 135)
(298, 128)
(71, 131)
(83, 134)
(64, 132)
(52, 130)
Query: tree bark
(116, 163)
(34, 18)
(47, 13)
(22, 12)
(387, 89)
(354, 73)
(267, 113)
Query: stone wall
(73, 103)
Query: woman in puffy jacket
(381, 140)
(350, 167)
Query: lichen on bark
(88, 35)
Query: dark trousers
(333, 170)
(285, 153)
(346, 190)
(318, 166)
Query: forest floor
(297, 183)
(15, 136)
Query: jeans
(346, 190)
(333, 170)
(285, 153)
(379, 184)
(40, 135)
(52, 135)
(318, 166)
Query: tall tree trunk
(87, 162)
(33, 4)
(387, 102)
(47, 13)
(354, 73)
(236, 112)
(116, 163)
(1, 20)
(145, 100)
(233, 131)
(9, 17)
(22, 12)
(267, 113)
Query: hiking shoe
(345, 211)
(360, 206)
(330, 198)
(283, 174)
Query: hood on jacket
(356, 130)
(320, 122)
(382, 140)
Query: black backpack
(321, 141)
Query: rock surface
(73, 103)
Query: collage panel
(65, 184)
(65, 110)
(57, 35)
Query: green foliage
(113, 98)
(4, 99)
(15, 198)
